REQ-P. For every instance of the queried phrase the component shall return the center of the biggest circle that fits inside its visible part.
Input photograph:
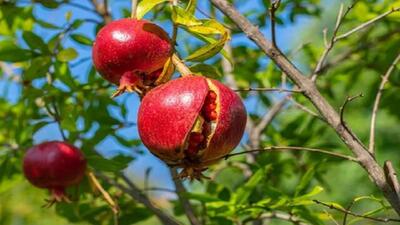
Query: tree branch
(272, 9)
(267, 89)
(331, 206)
(385, 79)
(134, 4)
(292, 148)
(180, 66)
(255, 133)
(102, 10)
(137, 194)
(329, 45)
(366, 24)
(311, 92)
(277, 215)
(180, 191)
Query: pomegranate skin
(130, 45)
(54, 165)
(168, 112)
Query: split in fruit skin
(191, 122)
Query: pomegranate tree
(55, 166)
(191, 122)
(131, 53)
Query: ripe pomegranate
(191, 122)
(131, 53)
(54, 165)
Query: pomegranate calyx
(192, 173)
(130, 81)
(57, 195)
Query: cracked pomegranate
(55, 166)
(191, 122)
(131, 53)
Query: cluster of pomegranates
(190, 122)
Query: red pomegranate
(131, 53)
(54, 165)
(191, 122)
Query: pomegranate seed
(196, 138)
(212, 95)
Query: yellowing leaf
(181, 17)
(208, 26)
(145, 6)
(67, 55)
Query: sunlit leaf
(145, 6)
(66, 55)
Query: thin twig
(343, 107)
(102, 9)
(290, 148)
(113, 205)
(134, 4)
(274, 6)
(277, 215)
(366, 24)
(348, 210)
(139, 196)
(57, 119)
(255, 133)
(180, 191)
(378, 219)
(335, 38)
(305, 109)
(180, 66)
(267, 89)
(158, 189)
(385, 79)
(329, 45)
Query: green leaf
(38, 68)
(34, 41)
(63, 73)
(200, 197)
(208, 51)
(81, 39)
(305, 180)
(206, 70)
(10, 52)
(145, 6)
(47, 25)
(77, 23)
(243, 193)
(115, 164)
(67, 54)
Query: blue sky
(285, 37)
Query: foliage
(48, 85)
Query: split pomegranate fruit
(55, 166)
(131, 53)
(191, 122)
